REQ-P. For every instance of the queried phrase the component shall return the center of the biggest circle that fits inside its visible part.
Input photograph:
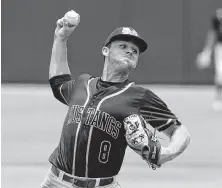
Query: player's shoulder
(136, 88)
(145, 94)
(141, 88)
(144, 91)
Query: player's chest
(113, 104)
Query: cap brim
(142, 45)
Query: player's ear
(105, 51)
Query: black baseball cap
(128, 34)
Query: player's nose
(129, 52)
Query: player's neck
(112, 74)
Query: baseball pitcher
(106, 114)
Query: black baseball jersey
(93, 141)
(217, 27)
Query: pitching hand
(63, 31)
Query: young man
(213, 47)
(106, 114)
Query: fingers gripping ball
(142, 140)
(72, 17)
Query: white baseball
(72, 17)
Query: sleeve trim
(60, 90)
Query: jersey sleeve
(156, 112)
(62, 87)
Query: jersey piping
(60, 90)
(91, 128)
(77, 132)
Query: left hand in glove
(142, 140)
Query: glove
(142, 140)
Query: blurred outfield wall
(174, 29)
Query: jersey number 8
(104, 151)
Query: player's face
(124, 54)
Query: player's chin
(128, 62)
(126, 67)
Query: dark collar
(105, 84)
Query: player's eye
(135, 51)
(122, 46)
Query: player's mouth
(129, 57)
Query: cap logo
(128, 31)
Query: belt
(87, 183)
